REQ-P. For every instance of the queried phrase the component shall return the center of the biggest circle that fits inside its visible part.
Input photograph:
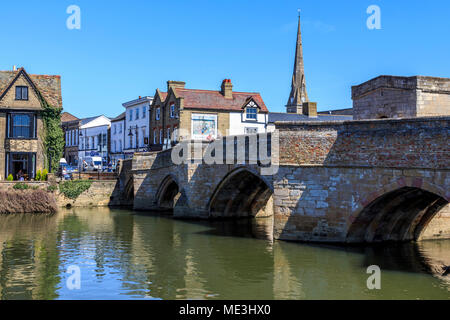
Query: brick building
(70, 125)
(181, 113)
(21, 145)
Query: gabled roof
(48, 86)
(214, 100)
(67, 117)
(95, 122)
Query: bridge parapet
(388, 143)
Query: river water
(123, 254)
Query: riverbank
(27, 201)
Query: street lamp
(130, 134)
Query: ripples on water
(129, 255)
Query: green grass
(73, 189)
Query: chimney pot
(227, 89)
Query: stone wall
(98, 195)
(393, 143)
(401, 97)
(330, 172)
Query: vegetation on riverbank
(73, 188)
(27, 201)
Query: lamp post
(130, 134)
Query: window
(21, 93)
(172, 111)
(114, 146)
(136, 141)
(251, 113)
(168, 135)
(131, 115)
(137, 113)
(21, 126)
(21, 165)
(144, 111)
(175, 134)
(120, 127)
(131, 141)
(160, 136)
(154, 136)
(143, 137)
(120, 145)
(115, 129)
(158, 113)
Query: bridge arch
(399, 214)
(242, 193)
(169, 193)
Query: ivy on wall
(53, 137)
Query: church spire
(298, 88)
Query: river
(123, 254)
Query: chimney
(227, 89)
(310, 109)
(175, 84)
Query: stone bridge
(355, 181)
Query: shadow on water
(428, 257)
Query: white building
(248, 121)
(118, 135)
(93, 138)
(137, 115)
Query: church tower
(298, 88)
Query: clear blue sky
(129, 48)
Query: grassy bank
(27, 201)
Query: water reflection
(125, 255)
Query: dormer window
(158, 113)
(172, 111)
(21, 93)
(251, 111)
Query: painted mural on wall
(204, 125)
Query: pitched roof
(208, 99)
(119, 117)
(66, 117)
(48, 86)
(341, 112)
(279, 116)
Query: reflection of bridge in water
(165, 258)
(357, 181)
